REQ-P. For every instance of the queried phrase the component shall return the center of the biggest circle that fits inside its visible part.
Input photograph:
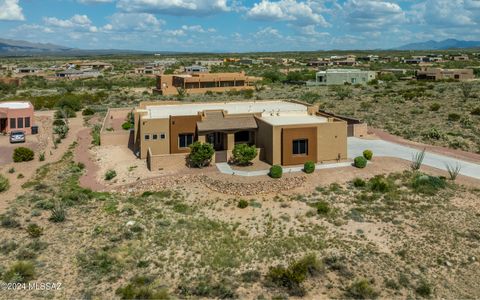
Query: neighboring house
(250, 61)
(16, 115)
(209, 63)
(195, 69)
(285, 132)
(27, 70)
(88, 65)
(343, 76)
(439, 74)
(202, 82)
(77, 74)
(149, 70)
(461, 57)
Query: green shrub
(322, 207)
(127, 126)
(34, 230)
(360, 162)
(424, 289)
(4, 183)
(110, 174)
(242, 203)
(243, 154)
(88, 112)
(41, 157)
(20, 272)
(379, 184)
(359, 182)
(200, 154)
(8, 221)
(65, 113)
(58, 122)
(11, 170)
(368, 154)
(435, 107)
(429, 185)
(453, 117)
(291, 278)
(141, 287)
(23, 154)
(476, 111)
(361, 289)
(276, 171)
(309, 167)
(58, 213)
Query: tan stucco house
(285, 132)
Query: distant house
(427, 73)
(77, 74)
(195, 69)
(86, 65)
(27, 70)
(149, 70)
(16, 115)
(209, 62)
(460, 57)
(344, 76)
(198, 83)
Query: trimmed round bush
(368, 154)
(23, 154)
(88, 112)
(276, 171)
(360, 162)
(127, 126)
(309, 167)
(4, 183)
(243, 154)
(200, 154)
(110, 174)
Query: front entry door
(216, 139)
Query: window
(185, 140)
(154, 136)
(163, 136)
(147, 137)
(20, 122)
(300, 147)
(13, 123)
(27, 122)
(242, 137)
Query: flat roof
(192, 109)
(294, 119)
(15, 104)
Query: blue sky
(236, 25)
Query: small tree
(466, 89)
(200, 154)
(23, 154)
(243, 154)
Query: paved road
(384, 148)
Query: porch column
(202, 138)
(230, 140)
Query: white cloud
(300, 13)
(94, 1)
(133, 22)
(373, 14)
(447, 13)
(10, 10)
(268, 32)
(174, 7)
(197, 28)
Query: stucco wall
(179, 125)
(291, 134)
(154, 126)
(18, 113)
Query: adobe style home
(199, 83)
(285, 132)
(344, 76)
(426, 73)
(16, 115)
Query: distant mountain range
(441, 45)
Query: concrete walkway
(380, 148)
(388, 149)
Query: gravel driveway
(384, 148)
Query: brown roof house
(285, 132)
(199, 83)
(427, 73)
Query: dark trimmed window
(147, 137)
(20, 122)
(163, 136)
(154, 136)
(185, 140)
(27, 122)
(13, 123)
(242, 137)
(300, 147)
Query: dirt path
(468, 156)
(83, 155)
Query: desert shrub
(379, 184)
(322, 207)
(88, 112)
(426, 184)
(276, 171)
(311, 97)
(58, 213)
(360, 162)
(292, 277)
(23, 154)
(65, 113)
(20, 272)
(359, 182)
(34, 230)
(433, 134)
(453, 117)
(4, 183)
(251, 276)
(476, 111)
(309, 167)
(141, 287)
(58, 122)
(417, 160)
(242, 203)
(70, 102)
(110, 174)
(208, 288)
(200, 154)
(361, 289)
(98, 262)
(368, 154)
(435, 107)
(243, 154)
(423, 289)
(96, 134)
(41, 157)
(11, 170)
(453, 171)
(62, 131)
(127, 126)
(8, 221)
